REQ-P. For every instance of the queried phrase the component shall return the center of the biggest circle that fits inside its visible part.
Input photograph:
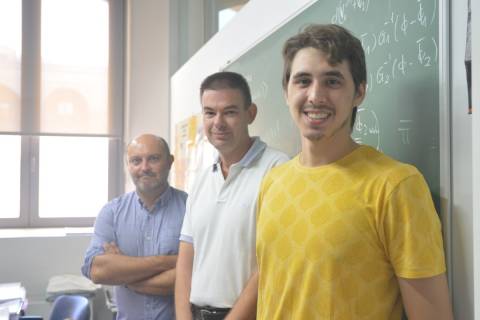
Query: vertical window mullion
(33, 144)
(116, 177)
(31, 66)
(116, 97)
(30, 105)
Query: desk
(12, 300)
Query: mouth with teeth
(317, 115)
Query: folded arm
(115, 268)
(160, 284)
(426, 298)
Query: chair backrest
(70, 307)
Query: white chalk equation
(404, 130)
(389, 70)
(398, 64)
(402, 37)
(367, 128)
(341, 14)
(424, 57)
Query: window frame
(30, 96)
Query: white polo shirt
(220, 222)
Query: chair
(71, 307)
(66, 307)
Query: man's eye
(135, 161)
(208, 114)
(333, 82)
(302, 82)
(154, 158)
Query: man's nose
(316, 94)
(145, 166)
(219, 120)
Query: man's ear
(252, 112)
(360, 94)
(171, 158)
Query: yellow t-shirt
(331, 240)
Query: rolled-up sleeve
(103, 232)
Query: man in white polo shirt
(216, 266)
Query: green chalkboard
(400, 115)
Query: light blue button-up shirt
(138, 232)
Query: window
(227, 14)
(61, 114)
(219, 12)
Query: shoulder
(180, 194)
(278, 173)
(203, 177)
(383, 168)
(271, 157)
(120, 201)
(110, 211)
(275, 155)
(286, 164)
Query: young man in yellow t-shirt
(343, 231)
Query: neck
(226, 160)
(150, 198)
(322, 152)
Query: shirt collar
(256, 149)
(162, 200)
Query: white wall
(462, 218)
(147, 77)
(148, 68)
(476, 150)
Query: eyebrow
(145, 156)
(301, 74)
(331, 73)
(227, 108)
(232, 107)
(334, 73)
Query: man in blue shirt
(135, 242)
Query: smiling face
(226, 120)
(321, 97)
(149, 163)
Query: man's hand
(111, 248)
(160, 284)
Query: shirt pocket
(169, 244)
(169, 240)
